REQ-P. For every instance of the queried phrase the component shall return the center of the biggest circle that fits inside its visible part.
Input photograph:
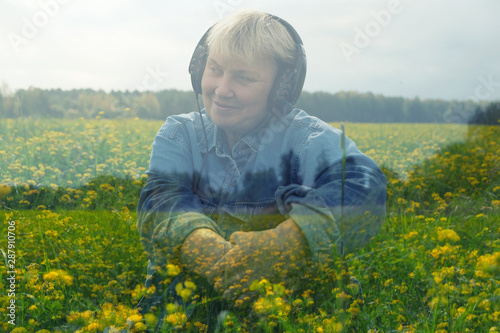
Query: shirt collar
(216, 138)
(252, 139)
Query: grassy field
(69, 190)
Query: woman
(249, 187)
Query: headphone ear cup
(197, 66)
(283, 92)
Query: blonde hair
(247, 35)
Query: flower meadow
(69, 191)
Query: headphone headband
(288, 84)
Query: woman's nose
(224, 87)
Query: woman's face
(235, 94)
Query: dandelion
(139, 327)
(19, 330)
(448, 235)
(135, 318)
(185, 294)
(172, 308)
(58, 276)
(151, 319)
(190, 285)
(93, 327)
(173, 270)
(410, 235)
(473, 181)
(4, 190)
(65, 198)
(489, 263)
(176, 319)
(388, 282)
(106, 188)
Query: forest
(345, 106)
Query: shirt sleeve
(333, 225)
(168, 209)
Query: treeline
(342, 106)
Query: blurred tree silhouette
(489, 116)
(346, 106)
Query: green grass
(434, 267)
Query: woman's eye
(214, 69)
(245, 78)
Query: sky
(443, 49)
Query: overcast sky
(446, 49)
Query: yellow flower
(448, 234)
(441, 250)
(190, 285)
(139, 327)
(171, 308)
(19, 330)
(176, 319)
(58, 276)
(93, 327)
(134, 318)
(173, 270)
(185, 294)
(107, 188)
(489, 263)
(443, 325)
(4, 190)
(150, 319)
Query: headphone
(288, 84)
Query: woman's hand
(276, 255)
(202, 249)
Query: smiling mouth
(224, 107)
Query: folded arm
(168, 209)
(328, 226)
(317, 228)
(278, 254)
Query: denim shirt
(285, 168)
